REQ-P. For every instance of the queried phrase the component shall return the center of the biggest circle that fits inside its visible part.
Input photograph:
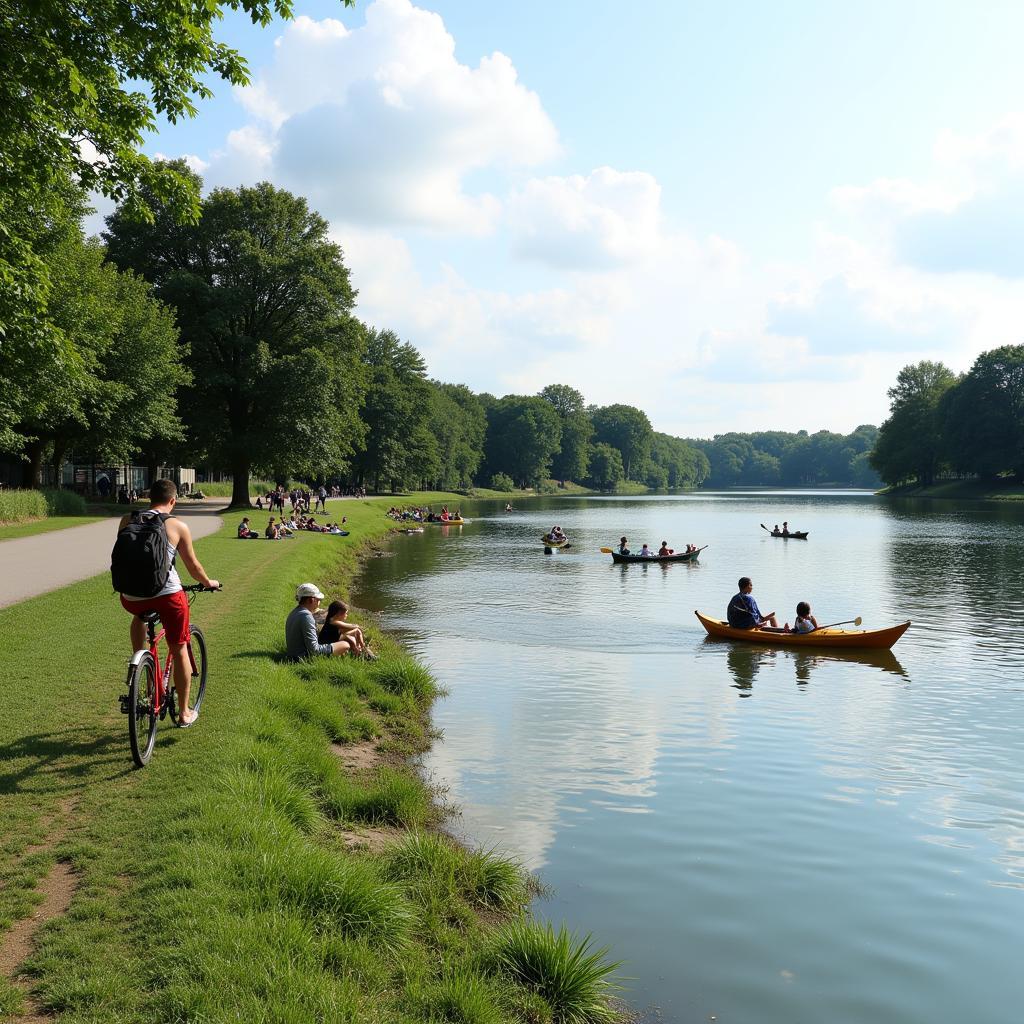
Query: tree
(606, 470)
(398, 445)
(81, 85)
(458, 421)
(264, 304)
(570, 462)
(910, 442)
(523, 435)
(984, 415)
(628, 429)
(128, 364)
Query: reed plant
(565, 971)
(20, 506)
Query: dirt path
(37, 565)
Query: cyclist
(170, 601)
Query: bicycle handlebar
(198, 588)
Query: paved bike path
(36, 565)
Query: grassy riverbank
(976, 490)
(274, 863)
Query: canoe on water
(792, 535)
(681, 556)
(444, 522)
(877, 639)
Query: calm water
(763, 835)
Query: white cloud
(381, 124)
(608, 218)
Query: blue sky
(734, 215)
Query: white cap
(305, 590)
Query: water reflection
(746, 660)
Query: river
(762, 835)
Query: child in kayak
(805, 621)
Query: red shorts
(173, 609)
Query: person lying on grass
(300, 628)
(336, 627)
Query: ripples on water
(765, 835)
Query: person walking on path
(169, 600)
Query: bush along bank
(279, 861)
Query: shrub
(462, 999)
(64, 503)
(19, 506)
(502, 482)
(561, 968)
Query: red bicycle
(149, 695)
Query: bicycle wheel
(197, 646)
(142, 717)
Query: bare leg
(182, 672)
(140, 641)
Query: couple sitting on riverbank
(743, 613)
(336, 637)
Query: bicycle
(149, 698)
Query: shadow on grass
(62, 761)
(278, 657)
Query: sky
(734, 215)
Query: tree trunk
(32, 471)
(152, 465)
(240, 482)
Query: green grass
(221, 883)
(36, 526)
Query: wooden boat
(445, 522)
(877, 639)
(549, 543)
(792, 535)
(681, 556)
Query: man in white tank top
(170, 602)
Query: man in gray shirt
(300, 627)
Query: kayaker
(785, 529)
(743, 612)
(664, 551)
(805, 621)
(646, 552)
(776, 532)
(623, 548)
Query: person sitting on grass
(272, 532)
(245, 531)
(805, 621)
(300, 628)
(336, 627)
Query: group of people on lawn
(280, 529)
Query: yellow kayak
(878, 639)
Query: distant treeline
(942, 425)
(773, 458)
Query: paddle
(856, 622)
(606, 551)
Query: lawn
(278, 861)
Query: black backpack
(141, 560)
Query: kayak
(878, 639)
(444, 522)
(682, 556)
(549, 543)
(798, 535)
